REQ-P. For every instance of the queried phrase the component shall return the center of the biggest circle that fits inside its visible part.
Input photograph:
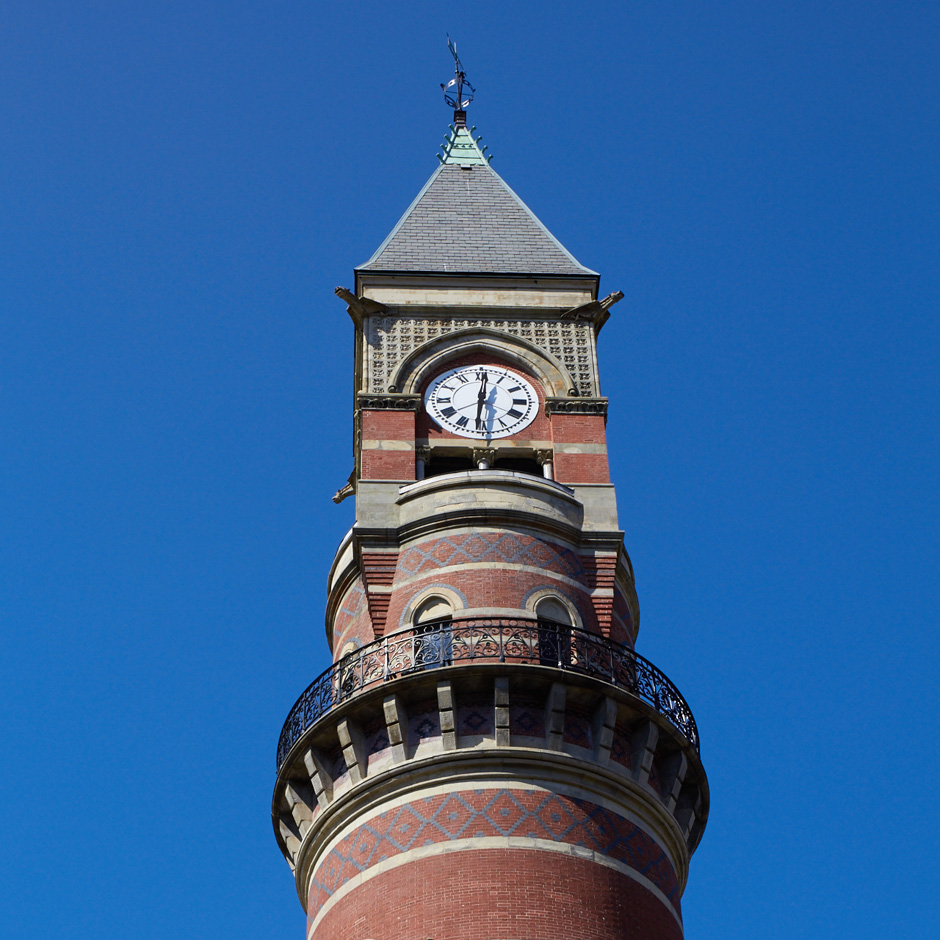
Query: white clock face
(482, 402)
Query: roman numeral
(448, 412)
(520, 401)
(462, 422)
(515, 388)
(443, 401)
(514, 414)
(461, 378)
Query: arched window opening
(350, 674)
(432, 608)
(433, 634)
(554, 632)
(550, 608)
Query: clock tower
(488, 756)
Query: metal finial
(458, 92)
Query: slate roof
(466, 220)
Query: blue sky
(182, 185)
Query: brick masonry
(493, 894)
(352, 623)
(389, 436)
(488, 568)
(501, 812)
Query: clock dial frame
(482, 402)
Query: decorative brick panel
(601, 576)
(378, 572)
(352, 621)
(475, 814)
(499, 547)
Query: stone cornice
(576, 406)
(392, 401)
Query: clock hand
(481, 398)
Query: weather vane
(458, 92)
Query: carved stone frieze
(389, 402)
(576, 406)
(389, 339)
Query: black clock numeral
(443, 401)
(448, 412)
(515, 388)
(520, 401)
(500, 379)
(502, 423)
(514, 414)
(461, 378)
(462, 422)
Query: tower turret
(488, 756)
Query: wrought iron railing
(486, 639)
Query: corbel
(358, 307)
(643, 747)
(445, 713)
(321, 779)
(596, 312)
(501, 711)
(396, 727)
(555, 716)
(350, 739)
(602, 729)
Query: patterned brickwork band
(478, 814)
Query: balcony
(478, 640)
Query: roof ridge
(461, 149)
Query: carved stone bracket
(596, 312)
(483, 457)
(576, 406)
(358, 307)
(395, 401)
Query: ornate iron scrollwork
(497, 639)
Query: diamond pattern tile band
(472, 814)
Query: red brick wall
(388, 426)
(580, 468)
(352, 621)
(490, 894)
(548, 565)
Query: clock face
(481, 401)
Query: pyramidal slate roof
(466, 220)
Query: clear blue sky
(183, 184)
